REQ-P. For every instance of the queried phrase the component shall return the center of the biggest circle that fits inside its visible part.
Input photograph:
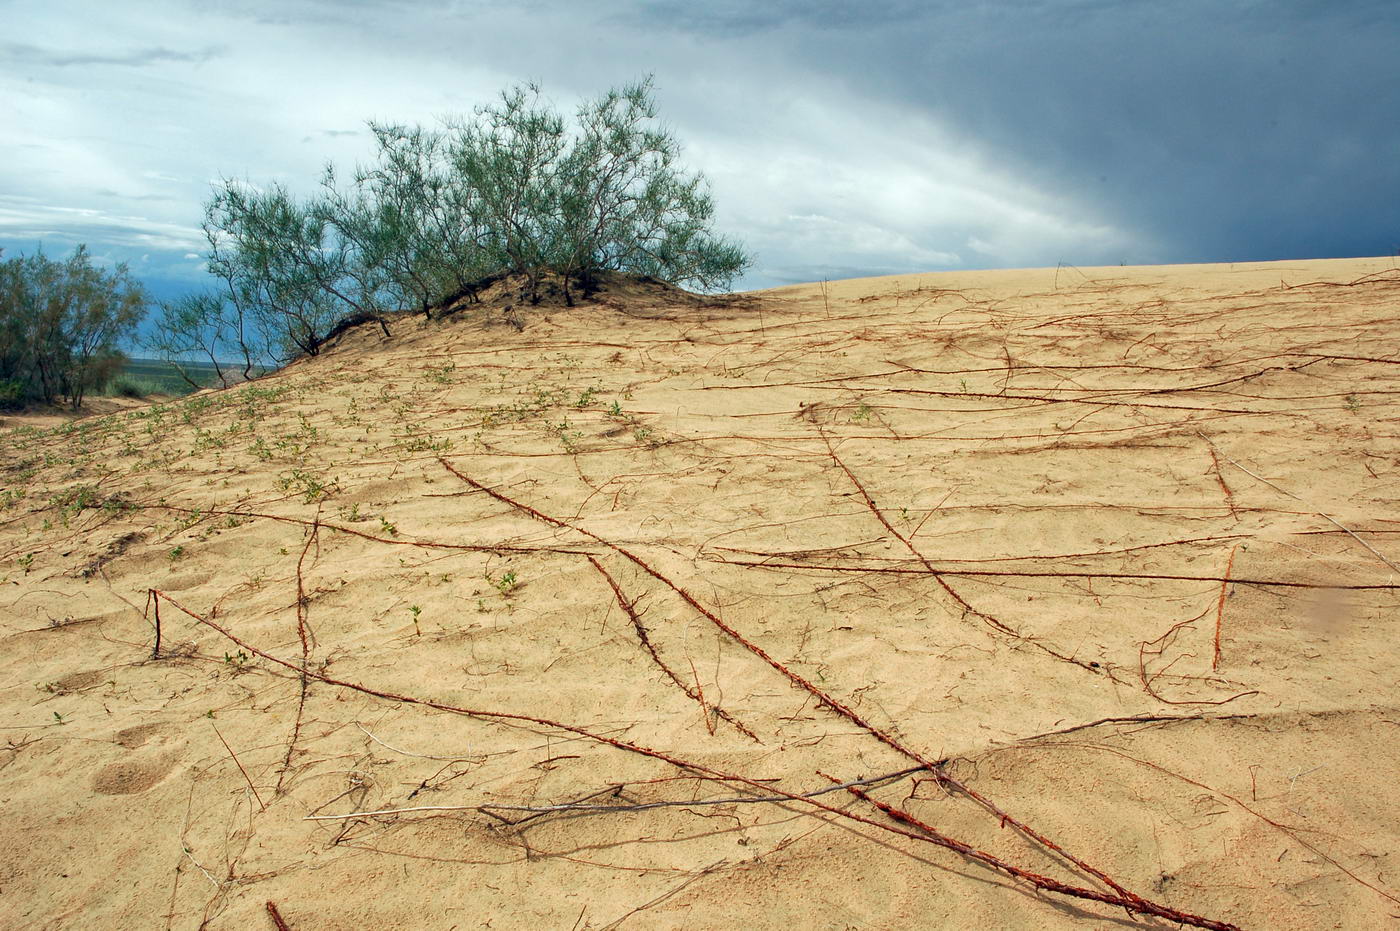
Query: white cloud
(26, 219)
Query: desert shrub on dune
(440, 213)
(60, 325)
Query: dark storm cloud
(1218, 130)
(1230, 131)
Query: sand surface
(1099, 558)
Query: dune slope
(1080, 584)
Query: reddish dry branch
(305, 636)
(350, 531)
(700, 692)
(1220, 477)
(1059, 574)
(995, 623)
(1226, 795)
(1042, 399)
(692, 693)
(923, 832)
(408, 699)
(277, 918)
(822, 697)
(1220, 606)
(1133, 903)
(246, 778)
(1157, 648)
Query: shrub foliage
(60, 325)
(440, 213)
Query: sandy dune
(1102, 560)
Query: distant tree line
(61, 323)
(441, 213)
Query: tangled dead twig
(693, 693)
(822, 697)
(1120, 897)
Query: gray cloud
(1241, 130)
(26, 219)
(20, 54)
(108, 192)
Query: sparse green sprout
(176, 553)
(506, 584)
(586, 398)
(26, 562)
(567, 435)
(58, 718)
(1353, 403)
(311, 487)
(862, 413)
(387, 527)
(615, 410)
(441, 375)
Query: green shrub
(127, 387)
(11, 393)
(60, 324)
(441, 213)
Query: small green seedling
(176, 553)
(415, 610)
(506, 584)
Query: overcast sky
(841, 138)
